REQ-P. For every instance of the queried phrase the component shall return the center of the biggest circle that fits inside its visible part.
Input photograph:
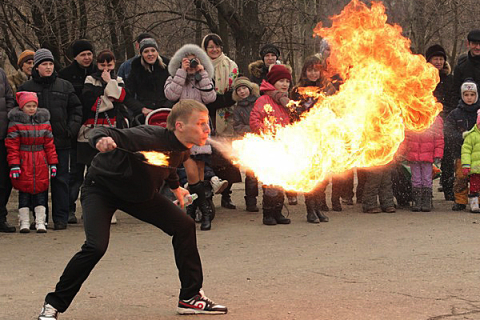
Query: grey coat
(7, 102)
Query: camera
(193, 63)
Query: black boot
(227, 199)
(251, 203)
(268, 218)
(6, 227)
(72, 219)
(278, 216)
(192, 211)
(321, 201)
(206, 216)
(417, 199)
(426, 199)
(310, 204)
(319, 206)
(201, 202)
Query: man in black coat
(117, 179)
(58, 96)
(468, 66)
(81, 67)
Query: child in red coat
(30, 152)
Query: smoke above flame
(386, 90)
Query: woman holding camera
(191, 74)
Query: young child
(460, 120)
(313, 76)
(245, 93)
(471, 163)
(278, 80)
(30, 152)
(423, 149)
(191, 73)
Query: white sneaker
(48, 312)
(218, 185)
(114, 219)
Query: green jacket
(471, 151)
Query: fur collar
(256, 68)
(17, 115)
(188, 49)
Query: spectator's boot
(251, 204)
(319, 209)
(426, 200)
(201, 202)
(40, 216)
(310, 205)
(473, 202)
(417, 199)
(24, 219)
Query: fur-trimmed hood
(447, 69)
(17, 115)
(256, 68)
(186, 50)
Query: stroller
(158, 117)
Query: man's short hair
(182, 111)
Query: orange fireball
(155, 158)
(387, 89)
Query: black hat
(142, 36)
(474, 35)
(435, 51)
(80, 46)
(269, 48)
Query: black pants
(5, 182)
(98, 206)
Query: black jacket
(148, 87)
(467, 67)
(444, 91)
(461, 119)
(58, 96)
(123, 174)
(76, 75)
(7, 102)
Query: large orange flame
(387, 89)
(155, 158)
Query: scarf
(226, 71)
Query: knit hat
(435, 51)
(42, 55)
(474, 35)
(469, 85)
(81, 45)
(244, 81)
(148, 43)
(278, 72)
(143, 35)
(25, 96)
(269, 48)
(24, 57)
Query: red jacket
(281, 114)
(425, 146)
(30, 146)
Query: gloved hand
(15, 172)
(465, 171)
(53, 171)
(437, 162)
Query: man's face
(269, 59)
(27, 67)
(45, 69)
(85, 58)
(438, 62)
(196, 130)
(474, 47)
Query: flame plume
(155, 158)
(387, 90)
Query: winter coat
(146, 83)
(444, 91)
(123, 174)
(467, 66)
(30, 146)
(425, 146)
(471, 151)
(258, 71)
(16, 79)
(76, 75)
(125, 68)
(461, 119)
(58, 96)
(7, 102)
(258, 114)
(241, 115)
(96, 95)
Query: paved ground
(358, 266)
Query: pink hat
(24, 96)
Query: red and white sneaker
(48, 312)
(199, 304)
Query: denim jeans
(28, 200)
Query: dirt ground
(357, 266)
